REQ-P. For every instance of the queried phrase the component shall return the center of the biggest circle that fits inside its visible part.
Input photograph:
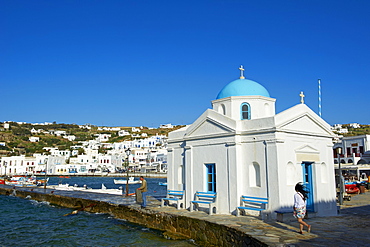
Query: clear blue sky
(145, 62)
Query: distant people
(143, 190)
(300, 207)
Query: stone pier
(169, 221)
(350, 228)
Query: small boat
(131, 180)
(22, 180)
(63, 185)
(162, 183)
(352, 189)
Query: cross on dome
(302, 96)
(241, 72)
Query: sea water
(25, 222)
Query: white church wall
(210, 154)
(252, 173)
(307, 149)
(175, 168)
(273, 151)
(260, 106)
(253, 154)
(256, 126)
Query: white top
(298, 200)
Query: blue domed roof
(243, 87)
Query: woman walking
(300, 198)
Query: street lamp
(46, 168)
(128, 152)
(339, 151)
(5, 165)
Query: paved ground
(350, 228)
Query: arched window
(221, 109)
(324, 173)
(255, 175)
(245, 111)
(290, 174)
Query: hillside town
(137, 152)
(98, 156)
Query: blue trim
(247, 112)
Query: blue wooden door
(308, 183)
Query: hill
(15, 139)
(362, 130)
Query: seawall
(173, 223)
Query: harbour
(29, 221)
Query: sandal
(309, 228)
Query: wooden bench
(251, 203)
(280, 215)
(208, 198)
(177, 196)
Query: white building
(70, 138)
(60, 132)
(103, 137)
(86, 126)
(34, 139)
(355, 125)
(123, 133)
(20, 165)
(241, 147)
(109, 128)
(166, 126)
(355, 150)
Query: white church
(242, 147)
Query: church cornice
(257, 97)
(256, 131)
(304, 133)
(210, 136)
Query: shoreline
(173, 223)
(136, 174)
(216, 230)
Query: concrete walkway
(350, 228)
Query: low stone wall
(174, 226)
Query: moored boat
(131, 180)
(352, 188)
(22, 180)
